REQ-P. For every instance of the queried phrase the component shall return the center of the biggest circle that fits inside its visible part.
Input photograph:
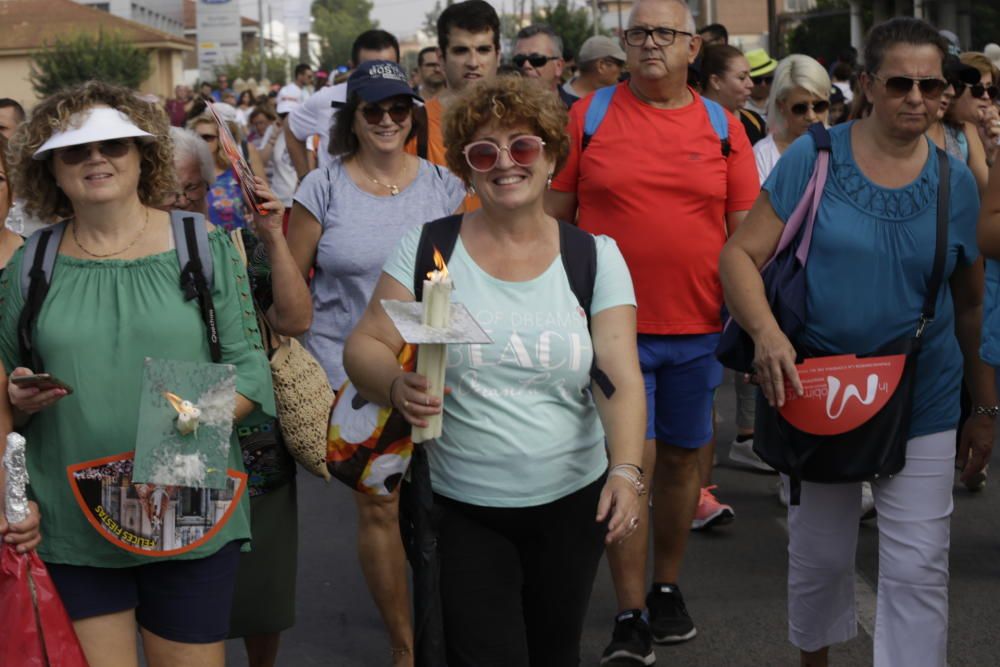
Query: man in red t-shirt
(654, 177)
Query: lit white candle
(431, 357)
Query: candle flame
(442, 268)
(175, 401)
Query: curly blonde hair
(33, 179)
(508, 101)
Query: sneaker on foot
(978, 481)
(710, 512)
(741, 452)
(631, 641)
(668, 616)
(867, 502)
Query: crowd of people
(662, 165)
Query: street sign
(218, 36)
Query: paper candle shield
(841, 392)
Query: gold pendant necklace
(393, 189)
(79, 245)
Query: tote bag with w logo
(853, 421)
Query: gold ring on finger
(406, 404)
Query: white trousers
(914, 525)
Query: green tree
(338, 23)
(571, 22)
(248, 67)
(431, 18)
(72, 60)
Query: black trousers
(515, 582)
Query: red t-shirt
(655, 181)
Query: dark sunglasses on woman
(536, 60)
(977, 90)
(802, 108)
(523, 151)
(900, 86)
(398, 113)
(109, 148)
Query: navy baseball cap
(377, 80)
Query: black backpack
(193, 255)
(577, 248)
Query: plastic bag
(42, 638)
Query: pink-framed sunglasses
(483, 155)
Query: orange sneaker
(710, 511)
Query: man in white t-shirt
(297, 92)
(315, 116)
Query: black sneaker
(668, 617)
(631, 644)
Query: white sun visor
(90, 125)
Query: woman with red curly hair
(521, 473)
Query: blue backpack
(602, 100)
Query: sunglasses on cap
(900, 86)
(523, 151)
(398, 113)
(536, 60)
(802, 108)
(977, 90)
(109, 148)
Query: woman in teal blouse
(122, 554)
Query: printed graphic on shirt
(151, 519)
(841, 392)
(542, 352)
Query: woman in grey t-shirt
(346, 219)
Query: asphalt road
(733, 581)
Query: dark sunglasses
(900, 86)
(536, 60)
(977, 90)
(758, 80)
(523, 151)
(802, 108)
(209, 137)
(398, 113)
(110, 148)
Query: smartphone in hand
(41, 381)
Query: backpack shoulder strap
(420, 117)
(754, 119)
(198, 246)
(197, 274)
(595, 113)
(720, 123)
(578, 250)
(37, 263)
(821, 137)
(441, 234)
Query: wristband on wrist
(987, 410)
(627, 471)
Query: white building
(163, 15)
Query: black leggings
(515, 582)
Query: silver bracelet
(622, 470)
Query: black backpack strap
(941, 242)
(578, 250)
(37, 264)
(441, 234)
(420, 118)
(197, 275)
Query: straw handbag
(302, 392)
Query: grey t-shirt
(359, 232)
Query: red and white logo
(841, 392)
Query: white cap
(90, 125)
(227, 112)
(992, 51)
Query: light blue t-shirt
(520, 428)
(871, 258)
(359, 232)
